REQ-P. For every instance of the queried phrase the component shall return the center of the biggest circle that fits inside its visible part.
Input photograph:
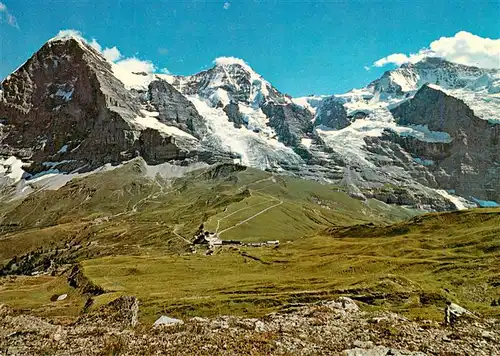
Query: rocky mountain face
(470, 161)
(331, 113)
(174, 109)
(424, 135)
(64, 109)
(64, 104)
(232, 82)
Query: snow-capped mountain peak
(229, 80)
(233, 61)
(404, 129)
(433, 70)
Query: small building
(207, 238)
(231, 242)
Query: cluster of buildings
(212, 239)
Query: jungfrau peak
(424, 135)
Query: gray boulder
(167, 321)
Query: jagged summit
(229, 80)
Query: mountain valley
(244, 212)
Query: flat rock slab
(165, 320)
(380, 351)
(62, 297)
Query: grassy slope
(34, 294)
(123, 211)
(440, 256)
(125, 228)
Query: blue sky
(300, 47)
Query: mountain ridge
(230, 112)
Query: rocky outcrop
(327, 328)
(77, 280)
(331, 113)
(174, 109)
(64, 109)
(156, 148)
(64, 104)
(291, 122)
(120, 313)
(232, 111)
(470, 162)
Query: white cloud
(464, 48)
(226, 5)
(6, 16)
(112, 54)
(70, 33)
(395, 58)
(95, 45)
(165, 71)
(229, 61)
(136, 65)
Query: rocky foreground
(328, 328)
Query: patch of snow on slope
(50, 180)
(150, 121)
(485, 105)
(257, 121)
(12, 167)
(310, 103)
(349, 142)
(424, 162)
(408, 83)
(307, 142)
(363, 101)
(167, 170)
(219, 95)
(422, 133)
(130, 80)
(459, 202)
(257, 149)
(65, 95)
